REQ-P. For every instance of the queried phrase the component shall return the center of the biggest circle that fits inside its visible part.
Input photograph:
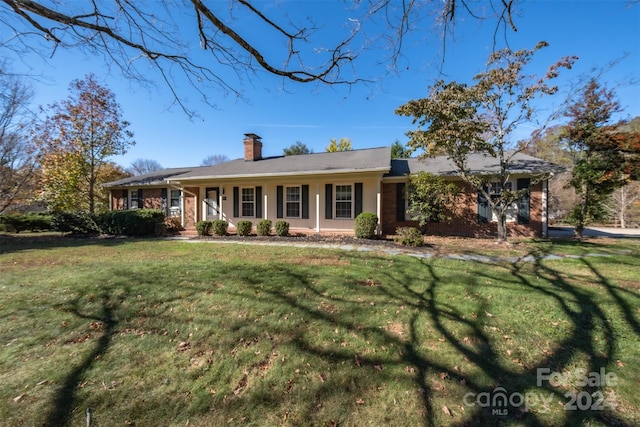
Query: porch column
(317, 206)
(378, 207)
(220, 191)
(264, 204)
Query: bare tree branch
(161, 33)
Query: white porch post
(317, 207)
(378, 208)
(264, 203)
(220, 191)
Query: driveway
(596, 232)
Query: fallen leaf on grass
(19, 398)
(446, 410)
(360, 402)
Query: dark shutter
(258, 202)
(236, 202)
(483, 208)
(140, 200)
(305, 202)
(163, 195)
(280, 201)
(524, 202)
(125, 199)
(400, 203)
(358, 195)
(328, 201)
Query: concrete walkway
(616, 233)
(409, 251)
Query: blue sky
(598, 32)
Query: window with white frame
(248, 202)
(344, 201)
(135, 199)
(495, 190)
(293, 202)
(174, 203)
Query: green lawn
(167, 333)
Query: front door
(211, 204)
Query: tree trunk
(623, 207)
(502, 226)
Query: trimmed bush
(74, 222)
(408, 236)
(243, 227)
(139, 222)
(282, 228)
(264, 227)
(204, 228)
(366, 225)
(219, 227)
(15, 223)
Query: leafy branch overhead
(217, 44)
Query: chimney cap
(252, 136)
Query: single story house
(324, 192)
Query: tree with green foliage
(431, 198)
(334, 146)
(399, 151)
(461, 120)
(599, 149)
(75, 142)
(296, 149)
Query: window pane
(292, 202)
(134, 199)
(247, 202)
(343, 192)
(343, 209)
(343, 201)
(293, 194)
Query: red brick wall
(465, 221)
(152, 198)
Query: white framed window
(495, 190)
(343, 201)
(248, 200)
(175, 205)
(293, 202)
(135, 200)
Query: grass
(151, 332)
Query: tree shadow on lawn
(426, 298)
(588, 320)
(65, 401)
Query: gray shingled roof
(152, 178)
(371, 159)
(479, 164)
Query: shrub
(408, 236)
(282, 228)
(204, 228)
(264, 227)
(243, 227)
(16, 223)
(140, 222)
(74, 222)
(366, 225)
(219, 227)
